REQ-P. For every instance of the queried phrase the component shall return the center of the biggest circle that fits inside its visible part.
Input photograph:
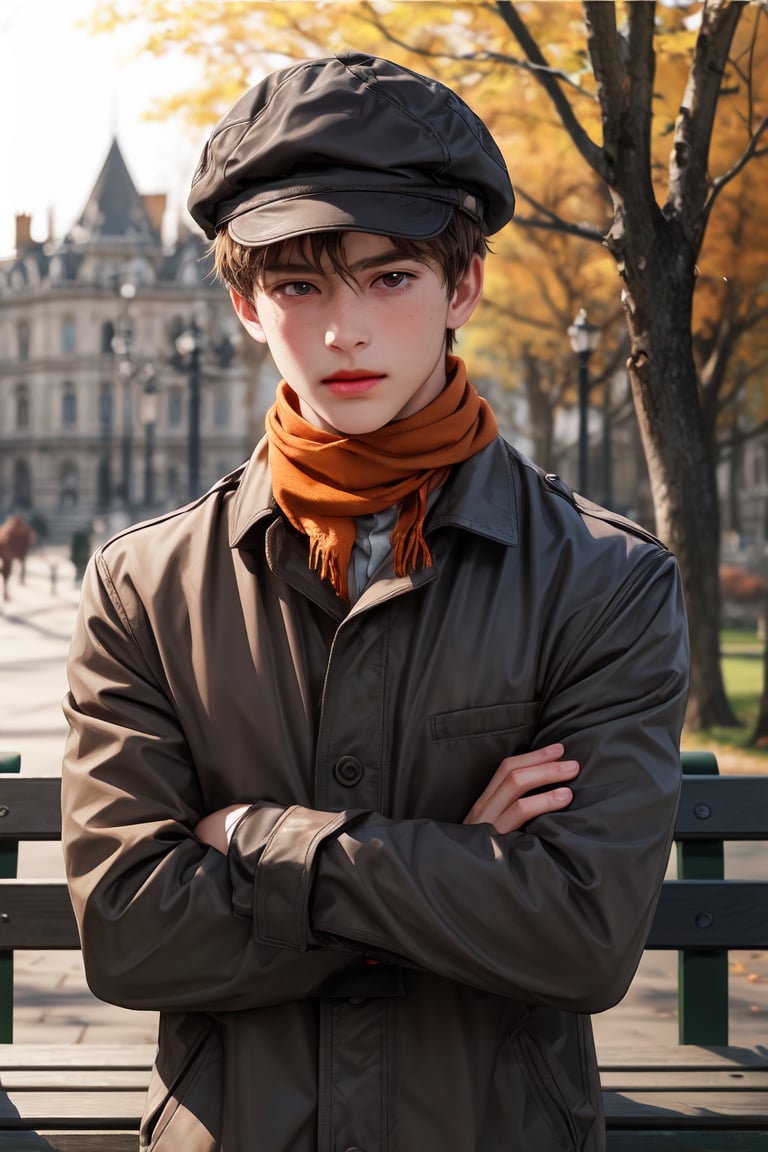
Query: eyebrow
(389, 256)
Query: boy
(373, 759)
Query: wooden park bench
(700, 1094)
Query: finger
(525, 759)
(527, 809)
(548, 755)
(516, 784)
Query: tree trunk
(658, 299)
(541, 423)
(759, 737)
(735, 477)
(656, 253)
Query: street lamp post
(607, 497)
(189, 348)
(584, 338)
(195, 346)
(121, 346)
(149, 420)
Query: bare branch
(549, 221)
(623, 62)
(509, 312)
(550, 82)
(743, 436)
(751, 152)
(690, 190)
(478, 56)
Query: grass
(742, 664)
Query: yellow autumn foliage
(538, 278)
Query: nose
(346, 327)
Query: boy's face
(359, 354)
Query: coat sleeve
(153, 904)
(557, 912)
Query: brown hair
(449, 254)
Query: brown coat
(209, 666)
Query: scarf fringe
(409, 548)
(324, 559)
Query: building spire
(114, 209)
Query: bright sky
(63, 96)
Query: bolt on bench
(701, 1095)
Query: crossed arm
(290, 897)
(504, 803)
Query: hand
(216, 829)
(504, 803)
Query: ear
(248, 316)
(467, 295)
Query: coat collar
(253, 500)
(479, 496)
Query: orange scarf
(322, 480)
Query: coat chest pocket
(517, 720)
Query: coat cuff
(270, 857)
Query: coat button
(348, 771)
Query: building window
(22, 339)
(173, 483)
(175, 407)
(69, 406)
(21, 496)
(106, 406)
(104, 482)
(107, 336)
(221, 412)
(68, 485)
(22, 406)
(760, 473)
(67, 334)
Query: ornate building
(124, 387)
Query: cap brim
(381, 212)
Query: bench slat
(681, 1058)
(681, 1110)
(723, 808)
(91, 1140)
(681, 1141)
(728, 914)
(71, 1079)
(30, 809)
(711, 808)
(22, 1108)
(36, 914)
(30, 1109)
(104, 1080)
(89, 1057)
(657, 1080)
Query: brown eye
(394, 279)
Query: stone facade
(124, 386)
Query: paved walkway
(53, 1001)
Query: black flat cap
(350, 143)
